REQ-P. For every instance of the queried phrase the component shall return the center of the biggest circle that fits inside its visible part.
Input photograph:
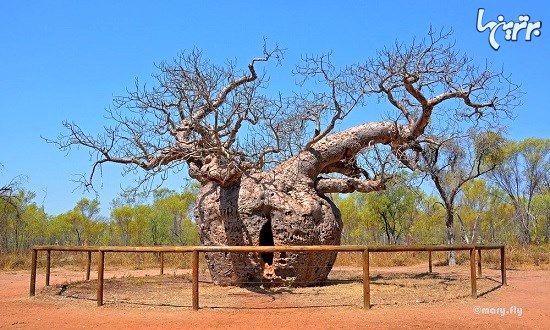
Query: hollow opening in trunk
(266, 239)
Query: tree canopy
(223, 124)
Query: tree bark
(295, 215)
(450, 236)
(523, 221)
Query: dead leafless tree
(269, 161)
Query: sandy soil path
(528, 291)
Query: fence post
(473, 272)
(429, 261)
(479, 263)
(503, 265)
(161, 256)
(48, 264)
(100, 270)
(88, 265)
(366, 280)
(33, 273)
(195, 279)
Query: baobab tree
(266, 164)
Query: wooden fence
(196, 250)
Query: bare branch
(219, 123)
(330, 185)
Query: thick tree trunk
(267, 209)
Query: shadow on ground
(343, 288)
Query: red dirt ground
(528, 290)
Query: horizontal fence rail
(196, 250)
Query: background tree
(122, 217)
(22, 221)
(522, 175)
(88, 207)
(167, 220)
(395, 208)
(541, 211)
(8, 210)
(8, 189)
(176, 211)
(452, 163)
(359, 224)
(478, 210)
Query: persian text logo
(511, 29)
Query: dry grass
(525, 257)
(518, 257)
(16, 261)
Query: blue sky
(67, 59)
